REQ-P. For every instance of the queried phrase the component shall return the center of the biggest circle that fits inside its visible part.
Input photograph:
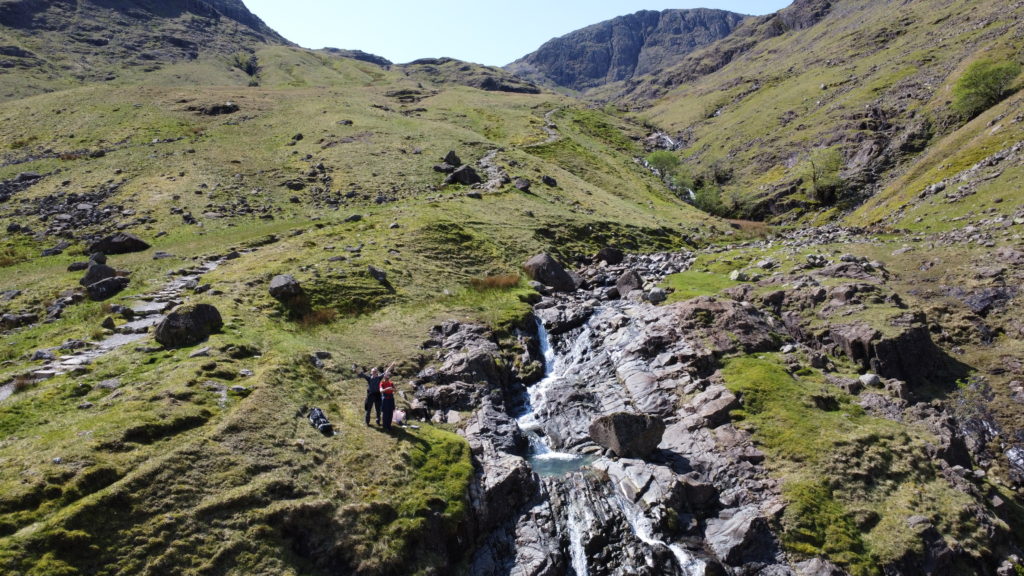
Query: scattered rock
(107, 288)
(378, 274)
(9, 321)
(452, 158)
(97, 272)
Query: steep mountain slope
(624, 47)
(46, 45)
(865, 82)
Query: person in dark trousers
(373, 398)
(387, 394)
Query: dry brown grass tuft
(23, 381)
(318, 317)
(498, 282)
(751, 227)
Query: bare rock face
(188, 325)
(624, 47)
(727, 325)
(628, 435)
(546, 270)
(906, 354)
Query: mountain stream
(593, 513)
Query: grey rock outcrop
(906, 353)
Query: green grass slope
(870, 81)
(146, 460)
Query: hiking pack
(319, 421)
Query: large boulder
(287, 290)
(546, 270)
(106, 288)
(464, 175)
(610, 255)
(188, 325)
(97, 272)
(120, 243)
(628, 435)
(741, 536)
(628, 282)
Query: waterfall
(577, 554)
(544, 460)
(688, 564)
(585, 503)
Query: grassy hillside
(148, 458)
(868, 82)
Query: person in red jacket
(387, 401)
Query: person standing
(387, 394)
(373, 396)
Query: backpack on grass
(320, 422)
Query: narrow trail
(550, 128)
(147, 311)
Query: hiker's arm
(387, 371)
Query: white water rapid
(544, 460)
(688, 564)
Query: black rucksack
(320, 422)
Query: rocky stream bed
(620, 456)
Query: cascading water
(582, 494)
(544, 460)
(641, 525)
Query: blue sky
(493, 33)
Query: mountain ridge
(623, 47)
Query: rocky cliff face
(624, 47)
